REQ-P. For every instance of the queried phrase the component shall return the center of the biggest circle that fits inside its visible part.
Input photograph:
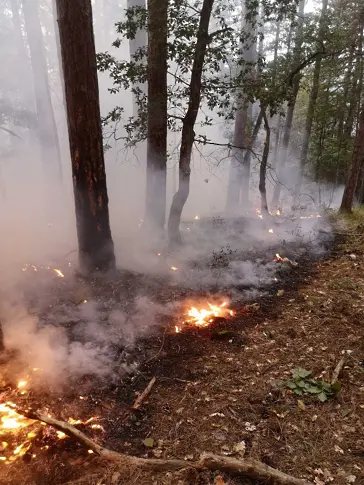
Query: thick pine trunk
(188, 124)
(312, 100)
(356, 161)
(47, 129)
(157, 115)
(96, 249)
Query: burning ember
(285, 260)
(203, 317)
(59, 273)
(32, 267)
(271, 231)
(173, 268)
(18, 433)
(197, 218)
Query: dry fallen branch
(253, 469)
(338, 370)
(139, 400)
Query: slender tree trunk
(278, 117)
(188, 124)
(263, 166)
(47, 129)
(239, 176)
(285, 141)
(312, 100)
(356, 161)
(290, 107)
(237, 166)
(96, 249)
(157, 115)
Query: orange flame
(202, 317)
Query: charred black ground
(163, 353)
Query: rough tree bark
(290, 107)
(47, 129)
(155, 208)
(263, 165)
(96, 249)
(312, 100)
(356, 161)
(188, 124)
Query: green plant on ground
(302, 383)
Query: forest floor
(229, 396)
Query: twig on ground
(253, 469)
(160, 349)
(139, 400)
(338, 370)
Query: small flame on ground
(279, 258)
(259, 214)
(204, 316)
(271, 231)
(197, 218)
(173, 268)
(22, 384)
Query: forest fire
(18, 433)
(204, 316)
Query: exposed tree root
(253, 469)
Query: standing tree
(188, 124)
(96, 248)
(291, 105)
(47, 129)
(157, 114)
(239, 176)
(313, 97)
(356, 162)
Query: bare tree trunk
(290, 107)
(188, 124)
(237, 160)
(239, 176)
(263, 166)
(357, 159)
(312, 100)
(47, 129)
(96, 248)
(157, 115)
(278, 117)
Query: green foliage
(302, 383)
(224, 73)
